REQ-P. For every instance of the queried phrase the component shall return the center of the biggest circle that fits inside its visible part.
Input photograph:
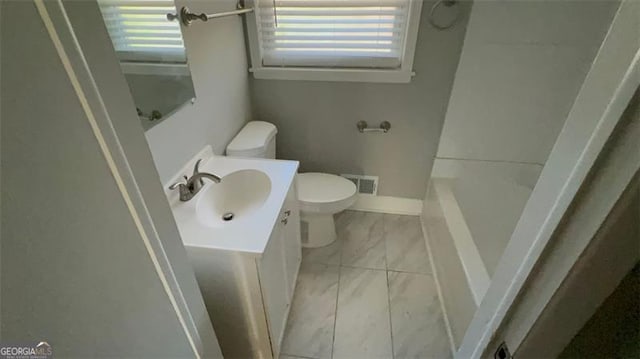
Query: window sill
(332, 75)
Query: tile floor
(370, 294)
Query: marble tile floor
(370, 294)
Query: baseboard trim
(387, 204)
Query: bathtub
(468, 223)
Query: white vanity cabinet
(278, 269)
(248, 295)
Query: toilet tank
(256, 139)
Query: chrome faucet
(191, 186)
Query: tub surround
(475, 271)
(467, 240)
(456, 293)
(490, 230)
(518, 77)
(516, 82)
(505, 145)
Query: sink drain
(227, 216)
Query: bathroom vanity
(246, 267)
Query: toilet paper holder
(363, 127)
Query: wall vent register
(364, 184)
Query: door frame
(593, 251)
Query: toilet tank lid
(254, 135)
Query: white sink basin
(253, 189)
(232, 201)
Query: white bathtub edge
(445, 316)
(475, 271)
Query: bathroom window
(334, 40)
(140, 31)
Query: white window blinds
(332, 33)
(140, 31)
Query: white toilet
(320, 195)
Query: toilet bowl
(320, 195)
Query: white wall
(317, 120)
(75, 269)
(218, 62)
(103, 63)
(597, 108)
(522, 65)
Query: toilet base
(318, 229)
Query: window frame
(403, 74)
(174, 61)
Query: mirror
(152, 56)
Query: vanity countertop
(249, 235)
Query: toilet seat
(324, 193)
